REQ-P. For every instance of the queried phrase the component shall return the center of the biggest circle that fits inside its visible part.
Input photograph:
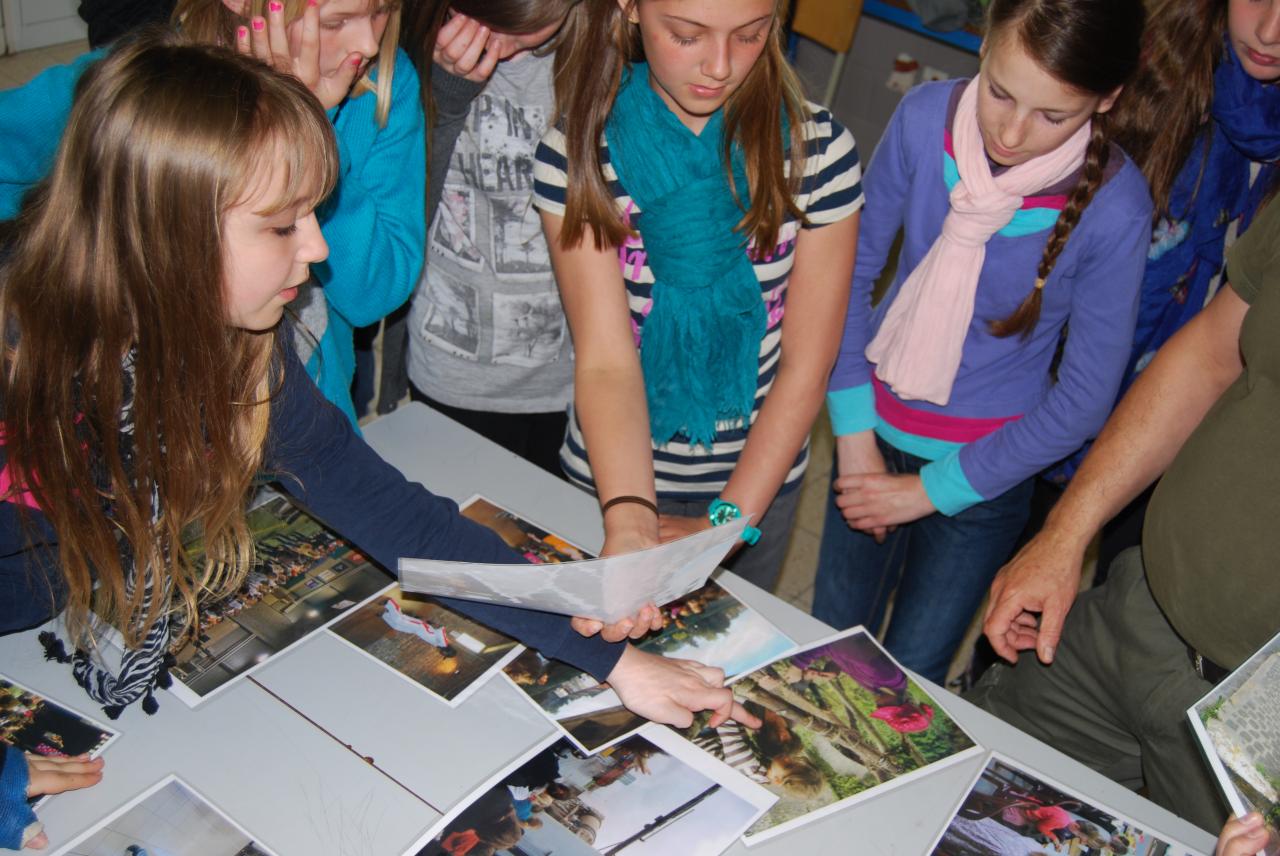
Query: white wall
(32, 24)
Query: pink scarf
(918, 348)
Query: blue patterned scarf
(701, 342)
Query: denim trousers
(939, 566)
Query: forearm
(785, 420)
(614, 416)
(1151, 423)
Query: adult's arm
(1137, 444)
(375, 215)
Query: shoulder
(58, 78)
(930, 101)
(1124, 195)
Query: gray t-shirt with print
(486, 330)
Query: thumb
(345, 75)
(1051, 620)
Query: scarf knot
(701, 341)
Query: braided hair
(1092, 46)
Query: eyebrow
(694, 23)
(1000, 90)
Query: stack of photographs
(1012, 811)
(841, 722)
(168, 819)
(650, 794)
(1238, 726)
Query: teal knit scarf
(701, 342)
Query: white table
(284, 753)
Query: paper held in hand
(607, 589)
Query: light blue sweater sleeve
(32, 119)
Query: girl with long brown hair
(702, 218)
(1020, 216)
(1202, 121)
(148, 381)
(345, 52)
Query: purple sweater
(1007, 419)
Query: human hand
(268, 40)
(1042, 578)
(648, 619)
(858, 453)
(671, 691)
(54, 775)
(461, 49)
(1242, 836)
(872, 501)
(673, 526)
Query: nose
(716, 65)
(1013, 133)
(1268, 31)
(363, 40)
(313, 247)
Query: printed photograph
(452, 319)
(170, 819)
(528, 329)
(305, 577)
(1238, 725)
(36, 724)
(528, 539)
(519, 249)
(634, 798)
(1012, 812)
(841, 721)
(710, 625)
(441, 651)
(454, 235)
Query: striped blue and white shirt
(831, 190)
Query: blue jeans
(940, 566)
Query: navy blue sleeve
(318, 459)
(15, 814)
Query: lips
(1261, 58)
(706, 91)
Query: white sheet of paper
(607, 589)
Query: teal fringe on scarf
(701, 341)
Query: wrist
(721, 511)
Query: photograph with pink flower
(841, 722)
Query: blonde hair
(119, 252)
(211, 22)
(597, 42)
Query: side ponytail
(1022, 321)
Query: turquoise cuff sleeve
(947, 486)
(852, 410)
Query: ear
(629, 10)
(1110, 101)
(239, 7)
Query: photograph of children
(36, 724)
(710, 625)
(528, 539)
(841, 721)
(638, 797)
(305, 577)
(1238, 725)
(1012, 812)
(446, 654)
(169, 819)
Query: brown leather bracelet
(638, 500)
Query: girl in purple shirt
(1018, 216)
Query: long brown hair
(211, 22)
(597, 43)
(1092, 46)
(1166, 106)
(119, 253)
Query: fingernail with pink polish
(275, 6)
(242, 32)
(259, 24)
